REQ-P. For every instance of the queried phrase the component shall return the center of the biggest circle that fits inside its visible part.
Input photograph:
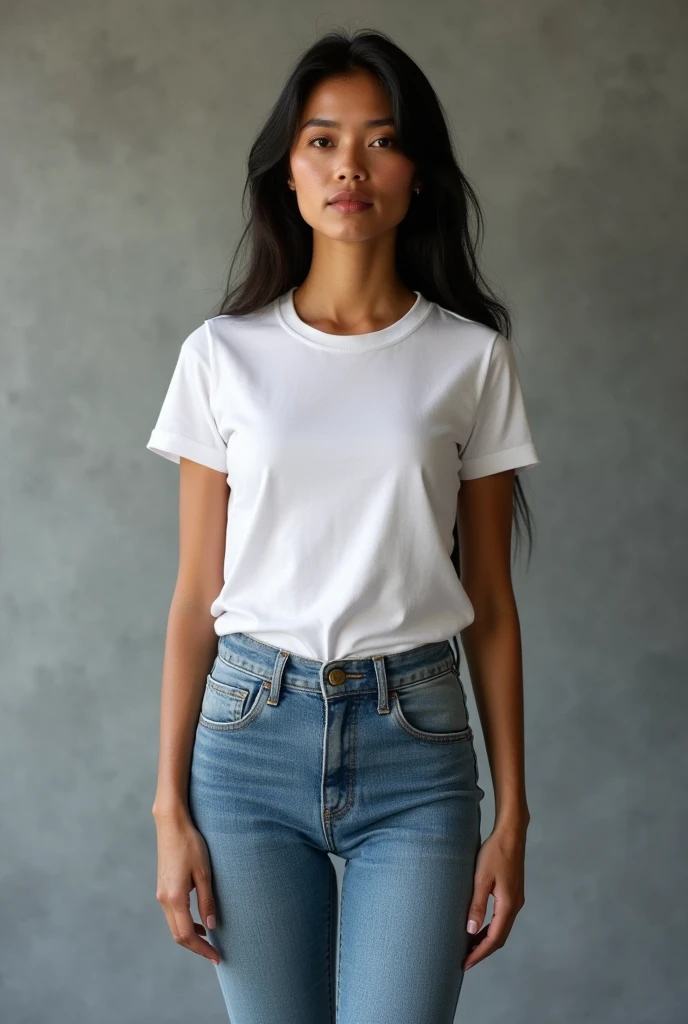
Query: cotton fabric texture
(344, 455)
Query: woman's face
(350, 153)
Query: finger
(495, 935)
(185, 934)
(204, 896)
(474, 942)
(183, 927)
(482, 886)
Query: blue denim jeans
(370, 759)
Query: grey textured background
(124, 128)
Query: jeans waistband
(337, 678)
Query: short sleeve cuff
(523, 457)
(172, 446)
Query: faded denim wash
(371, 759)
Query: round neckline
(390, 335)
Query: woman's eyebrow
(324, 122)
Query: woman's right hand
(184, 864)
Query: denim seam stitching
(239, 668)
(329, 930)
(324, 816)
(356, 693)
(227, 689)
(352, 771)
(339, 953)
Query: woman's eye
(382, 138)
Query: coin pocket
(233, 696)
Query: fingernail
(211, 920)
(472, 927)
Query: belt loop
(454, 644)
(381, 674)
(276, 681)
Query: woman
(348, 421)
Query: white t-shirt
(344, 456)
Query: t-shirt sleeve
(186, 425)
(500, 437)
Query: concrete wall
(124, 128)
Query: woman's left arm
(492, 645)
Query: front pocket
(433, 709)
(233, 697)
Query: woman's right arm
(190, 648)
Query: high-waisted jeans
(370, 759)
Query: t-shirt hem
(172, 446)
(522, 457)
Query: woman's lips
(348, 206)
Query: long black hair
(435, 251)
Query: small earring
(417, 191)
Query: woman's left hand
(500, 871)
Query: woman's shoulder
(228, 326)
(460, 324)
(469, 340)
(250, 319)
